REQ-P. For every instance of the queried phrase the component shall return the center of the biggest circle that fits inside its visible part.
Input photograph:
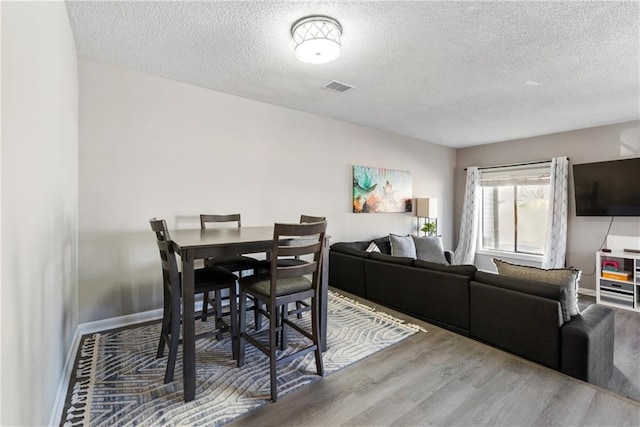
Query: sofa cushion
(351, 248)
(565, 278)
(402, 246)
(372, 247)
(462, 269)
(383, 244)
(531, 287)
(391, 259)
(429, 249)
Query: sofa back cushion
(383, 244)
(376, 256)
(429, 249)
(462, 269)
(351, 248)
(531, 287)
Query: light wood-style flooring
(626, 366)
(442, 378)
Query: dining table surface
(194, 244)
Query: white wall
(155, 147)
(585, 234)
(39, 207)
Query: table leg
(188, 327)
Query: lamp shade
(427, 208)
(317, 39)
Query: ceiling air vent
(335, 86)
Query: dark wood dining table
(195, 244)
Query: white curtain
(555, 241)
(465, 253)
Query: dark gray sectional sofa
(521, 316)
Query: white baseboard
(119, 322)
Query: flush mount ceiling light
(317, 39)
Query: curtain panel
(465, 252)
(555, 242)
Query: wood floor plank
(442, 378)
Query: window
(515, 203)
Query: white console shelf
(620, 288)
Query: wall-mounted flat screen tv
(607, 188)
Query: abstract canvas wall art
(381, 190)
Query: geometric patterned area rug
(118, 381)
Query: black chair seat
(261, 283)
(265, 265)
(233, 262)
(212, 278)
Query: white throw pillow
(372, 247)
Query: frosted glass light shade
(317, 39)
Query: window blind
(537, 174)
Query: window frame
(519, 171)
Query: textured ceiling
(451, 73)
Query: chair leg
(299, 307)
(273, 324)
(166, 323)
(174, 339)
(233, 307)
(218, 313)
(315, 329)
(242, 327)
(283, 326)
(205, 306)
(257, 317)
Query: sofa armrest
(448, 255)
(587, 345)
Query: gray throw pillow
(566, 278)
(402, 246)
(429, 249)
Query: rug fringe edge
(80, 409)
(381, 314)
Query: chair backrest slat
(297, 270)
(309, 218)
(210, 218)
(303, 248)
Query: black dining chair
(301, 306)
(205, 280)
(235, 263)
(283, 285)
